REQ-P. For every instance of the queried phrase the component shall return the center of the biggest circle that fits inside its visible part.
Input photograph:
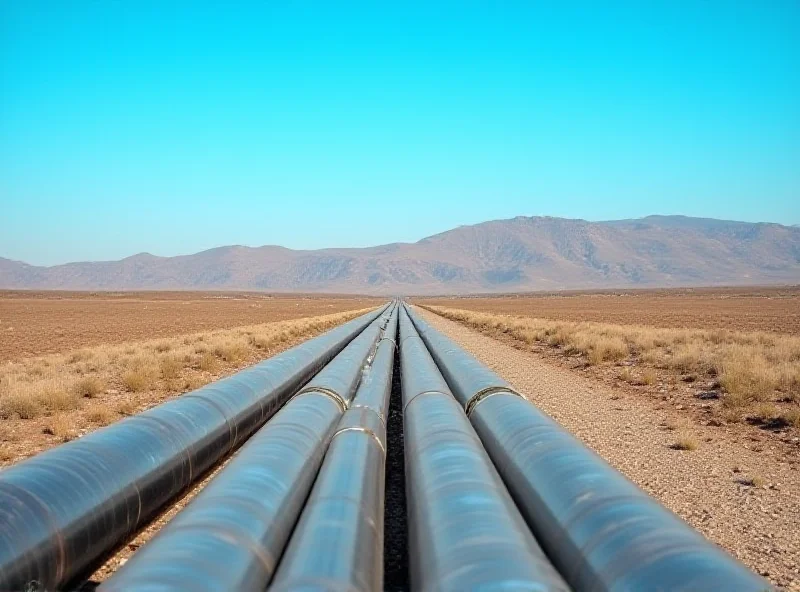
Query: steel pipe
(338, 542)
(63, 511)
(600, 530)
(465, 533)
(231, 536)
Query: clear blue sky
(171, 127)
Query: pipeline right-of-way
(600, 530)
(232, 535)
(499, 497)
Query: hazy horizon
(142, 127)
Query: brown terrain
(36, 323)
(694, 395)
(743, 309)
(690, 392)
(520, 254)
(73, 363)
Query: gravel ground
(708, 487)
(395, 543)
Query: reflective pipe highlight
(63, 511)
(465, 533)
(231, 536)
(338, 543)
(600, 530)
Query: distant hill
(521, 254)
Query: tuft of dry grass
(100, 414)
(686, 442)
(59, 426)
(648, 377)
(171, 367)
(126, 407)
(792, 417)
(139, 379)
(750, 367)
(208, 363)
(89, 387)
(232, 351)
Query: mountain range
(515, 255)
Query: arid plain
(694, 394)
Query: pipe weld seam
(375, 411)
(363, 430)
(484, 394)
(389, 339)
(322, 390)
(415, 397)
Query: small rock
(112, 392)
(706, 395)
(679, 407)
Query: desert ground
(72, 362)
(774, 309)
(37, 323)
(693, 394)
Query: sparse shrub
(90, 387)
(626, 375)
(208, 363)
(163, 347)
(685, 442)
(139, 379)
(607, 349)
(80, 356)
(59, 426)
(100, 414)
(59, 399)
(231, 352)
(765, 412)
(732, 414)
(792, 417)
(171, 367)
(126, 407)
(648, 377)
(5, 453)
(754, 481)
(23, 406)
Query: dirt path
(759, 524)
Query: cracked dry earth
(706, 486)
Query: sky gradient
(171, 127)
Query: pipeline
(64, 511)
(600, 530)
(231, 536)
(465, 533)
(338, 543)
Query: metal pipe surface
(338, 542)
(600, 530)
(64, 510)
(465, 533)
(231, 536)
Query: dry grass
(686, 442)
(208, 363)
(100, 414)
(750, 367)
(38, 387)
(61, 427)
(89, 387)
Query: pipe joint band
(484, 394)
(321, 390)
